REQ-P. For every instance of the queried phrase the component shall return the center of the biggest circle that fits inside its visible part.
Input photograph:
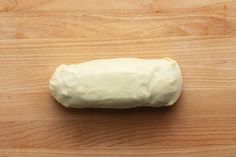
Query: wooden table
(37, 36)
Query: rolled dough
(117, 83)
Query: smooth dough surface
(117, 83)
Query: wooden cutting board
(37, 36)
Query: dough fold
(117, 83)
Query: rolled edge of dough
(178, 93)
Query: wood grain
(115, 19)
(37, 36)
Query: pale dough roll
(117, 83)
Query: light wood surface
(37, 36)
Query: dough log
(117, 83)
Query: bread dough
(117, 83)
